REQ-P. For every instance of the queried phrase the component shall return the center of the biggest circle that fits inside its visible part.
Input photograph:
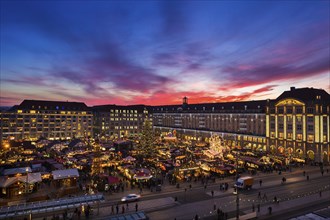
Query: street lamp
(27, 180)
(237, 196)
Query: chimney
(292, 88)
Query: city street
(161, 205)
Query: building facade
(298, 123)
(114, 121)
(53, 120)
(239, 123)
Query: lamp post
(237, 196)
(27, 180)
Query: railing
(48, 206)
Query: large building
(33, 119)
(115, 121)
(296, 123)
(239, 123)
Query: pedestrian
(117, 209)
(136, 207)
(327, 170)
(260, 182)
(258, 207)
(320, 193)
(123, 209)
(259, 195)
(190, 186)
(112, 210)
(304, 173)
(307, 177)
(253, 207)
(275, 199)
(127, 206)
(322, 172)
(205, 187)
(265, 196)
(270, 210)
(214, 206)
(212, 192)
(196, 217)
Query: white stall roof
(64, 174)
(14, 171)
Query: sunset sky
(156, 52)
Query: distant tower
(184, 101)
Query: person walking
(212, 192)
(259, 195)
(260, 182)
(320, 193)
(270, 210)
(253, 207)
(136, 207)
(123, 209)
(117, 209)
(258, 207)
(265, 196)
(307, 177)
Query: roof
(119, 107)
(31, 178)
(14, 171)
(231, 107)
(64, 174)
(53, 105)
(305, 94)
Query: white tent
(129, 159)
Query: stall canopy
(113, 180)
(64, 174)
(18, 170)
(31, 179)
(129, 159)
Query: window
(310, 110)
(299, 127)
(289, 110)
(299, 137)
(289, 126)
(310, 138)
(280, 126)
(310, 119)
(272, 126)
(280, 110)
(299, 110)
(310, 128)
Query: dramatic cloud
(158, 52)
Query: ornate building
(298, 123)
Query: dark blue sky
(156, 52)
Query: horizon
(155, 53)
(72, 101)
